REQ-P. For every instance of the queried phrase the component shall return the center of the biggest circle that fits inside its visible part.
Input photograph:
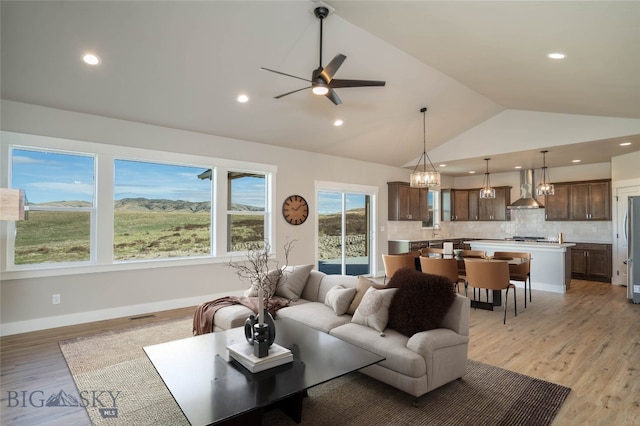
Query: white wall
(26, 303)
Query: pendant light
(424, 179)
(487, 191)
(545, 187)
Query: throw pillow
(339, 298)
(273, 277)
(292, 281)
(421, 302)
(373, 310)
(361, 289)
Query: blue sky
(331, 202)
(50, 176)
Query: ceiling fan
(322, 81)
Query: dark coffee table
(211, 389)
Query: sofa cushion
(421, 302)
(339, 298)
(373, 310)
(231, 316)
(331, 280)
(292, 281)
(361, 288)
(392, 346)
(313, 314)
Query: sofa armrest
(457, 318)
(428, 342)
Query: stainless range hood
(526, 200)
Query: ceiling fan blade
(329, 71)
(294, 91)
(285, 74)
(333, 97)
(335, 83)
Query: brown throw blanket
(203, 318)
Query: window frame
(10, 244)
(345, 188)
(105, 155)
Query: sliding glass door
(344, 232)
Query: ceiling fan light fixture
(320, 89)
(424, 179)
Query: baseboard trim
(18, 327)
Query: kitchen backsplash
(526, 222)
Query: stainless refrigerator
(633, 258)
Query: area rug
(119, 386)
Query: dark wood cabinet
(589, 200)
(591, 262)
(495, 208)
(558, 206)
(460, 204)
(466, 204)
(406, 203)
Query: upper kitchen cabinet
(495, 208)
(589, 200)
(455, 204)
(558, 205)
(406, 203)
(466, 205)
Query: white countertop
(528, 244)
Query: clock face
(295, 209)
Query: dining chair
(467, 254)
(520, 272)
(447, 267)
(491, 275)
(393, 262)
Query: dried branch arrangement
(260, 269)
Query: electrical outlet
(55, 299)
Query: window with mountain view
(60, 192)
(246, 210)
(160, 211)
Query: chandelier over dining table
(424, 178)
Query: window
(96, 207)
(246, 210)
(433, 204)
(60, 189)
(160, 211)
(345, 229)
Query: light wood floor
(587, 339)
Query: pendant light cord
(424, 157)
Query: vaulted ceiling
(480, 67)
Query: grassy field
(65, 236)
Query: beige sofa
(416, 364)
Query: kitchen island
(550, 262)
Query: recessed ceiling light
(442, 165)
(625, 144)
(556, 55)
(471, 172)
(338, 123)
(575, 161)
(90, 59)
(243, 99)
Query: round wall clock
(295, 209)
